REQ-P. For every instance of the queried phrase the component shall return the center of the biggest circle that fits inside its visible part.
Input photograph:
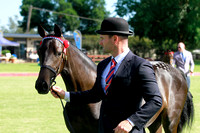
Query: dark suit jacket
(134, 80)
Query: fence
(98, 58)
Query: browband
(64, 42)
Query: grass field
(21, 67)
(22, 109)
(197, 66)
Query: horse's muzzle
(42, 87)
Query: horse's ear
(57, 30)
(41, 31)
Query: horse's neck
(79, 73)
(67, 80)
(77, 69)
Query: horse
(168, 57)
(58, 56)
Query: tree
(141, 47)
(37, 17)
(63, 10)
(163, 21)
(94, 9)
(67, 23)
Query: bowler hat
(112, 26)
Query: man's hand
(123, 127)
(191, 73)
(59, 91)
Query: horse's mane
(87, 61)
(161, 65)
(165, 66)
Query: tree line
(157, 24)
(165, 22)
(91, 9)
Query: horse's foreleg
(169, 127)
(156, 126)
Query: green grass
(19, 67)
(23, 110)
(197, 66)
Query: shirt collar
(121, 56)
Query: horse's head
(51, 53)
(168, 57)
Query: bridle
(66, 45)
(52, 70)
(56, 72)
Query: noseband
(50, 68)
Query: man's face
(181, 47)
(106, 42)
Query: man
(123, 80)
(183, 60)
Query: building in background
(28, 43)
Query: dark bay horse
(57, 56)
(168, 57)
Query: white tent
(196, 51)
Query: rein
(66, 116)
(66, 121)
(54, 83)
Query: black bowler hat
(112, 26)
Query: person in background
(183, 60)
(123, 80)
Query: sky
(10, 8)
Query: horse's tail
(187, 113)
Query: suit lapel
(124, 68)
(101, 70)
(125, 64)
(104, 65)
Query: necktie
(110, 74)
(183, 57)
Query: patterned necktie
(110, 74)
